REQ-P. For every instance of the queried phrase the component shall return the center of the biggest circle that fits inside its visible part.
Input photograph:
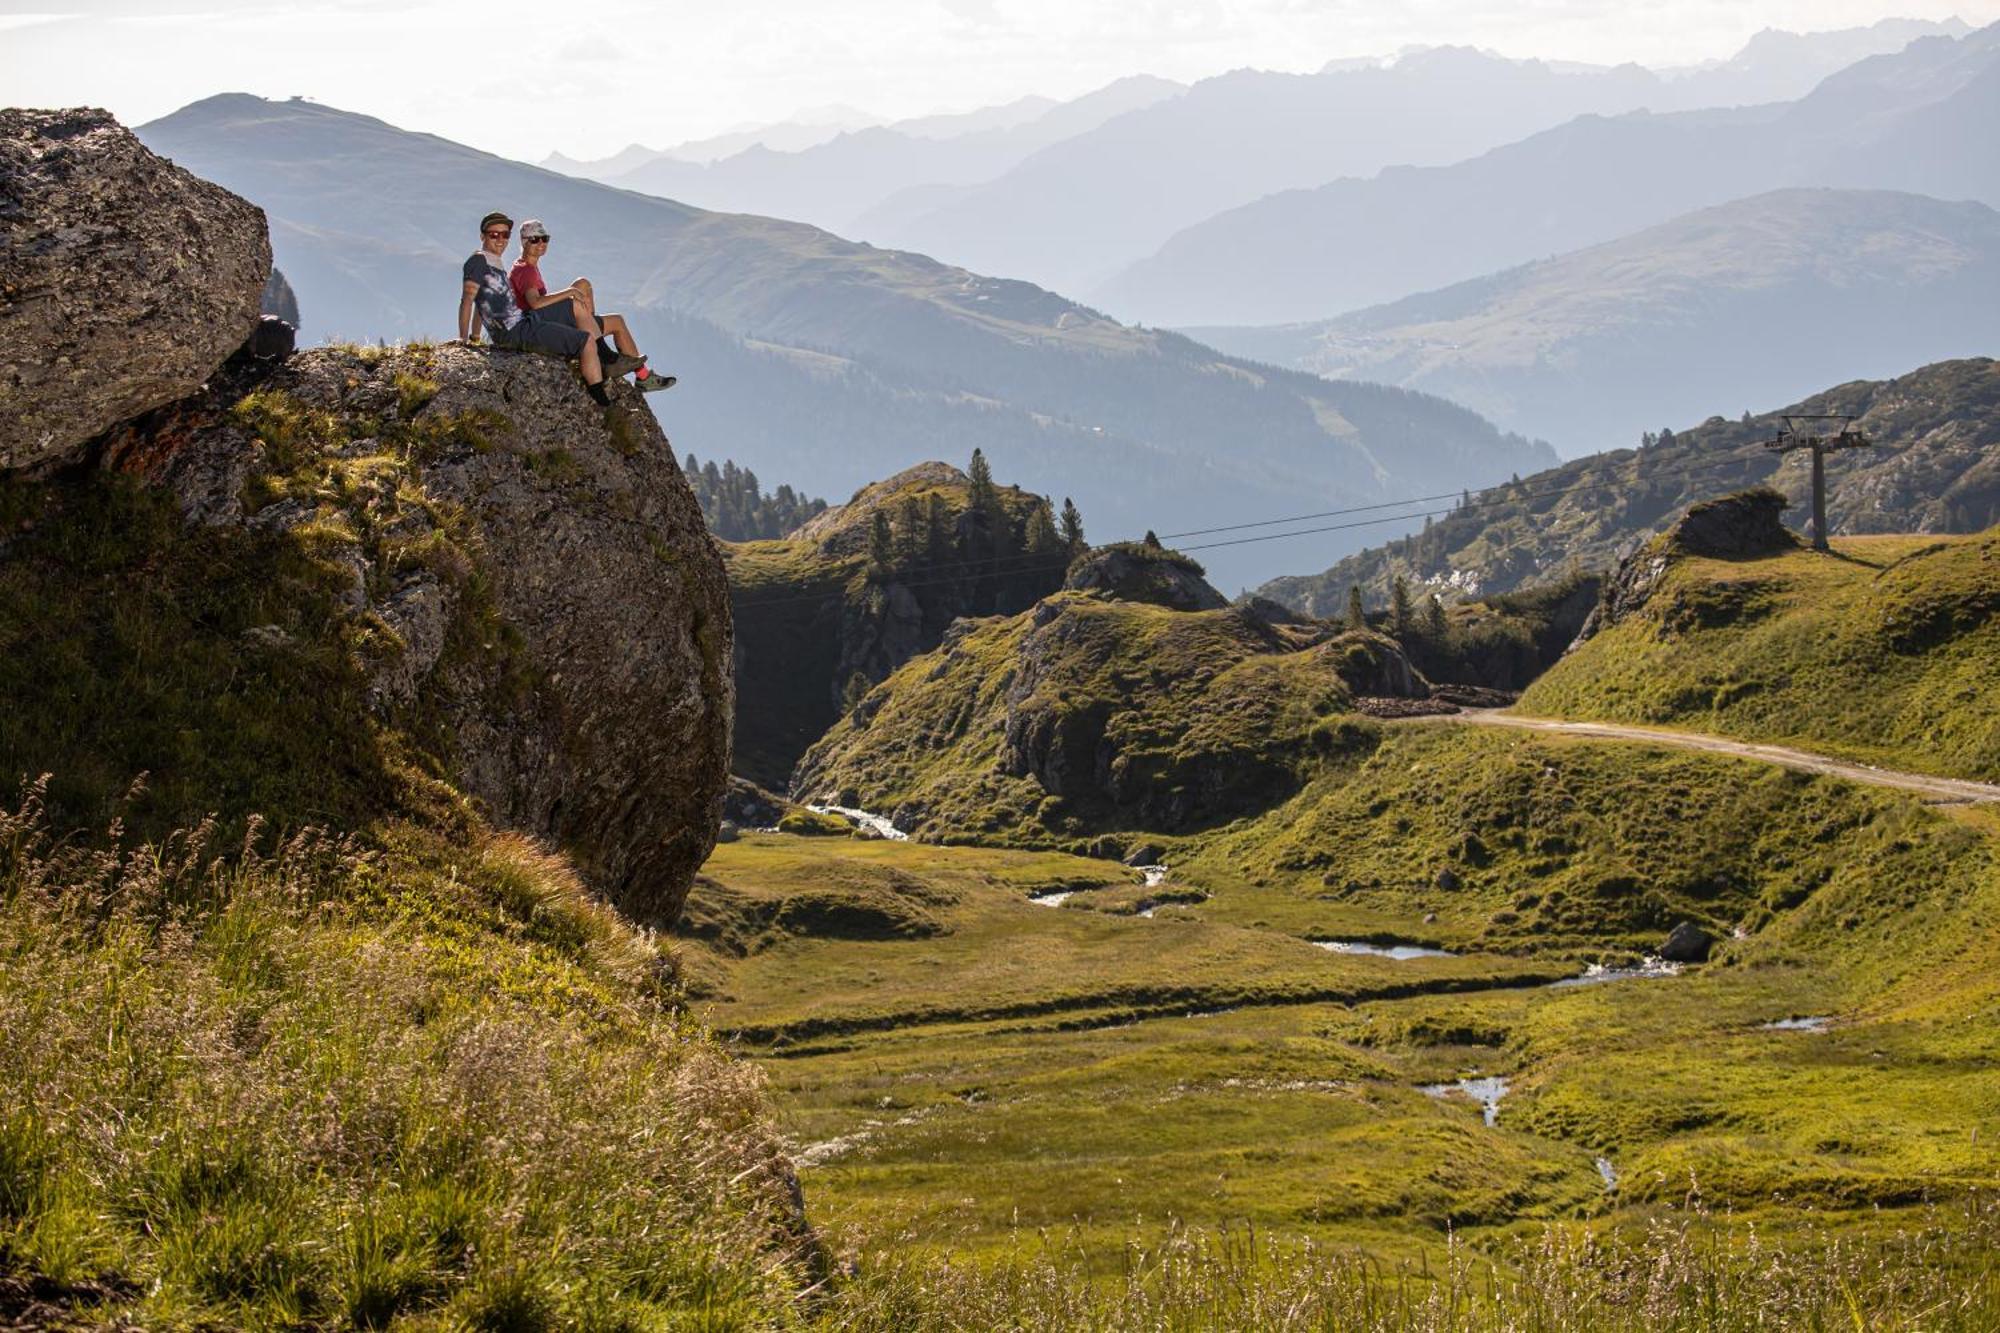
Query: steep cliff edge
(517, 585)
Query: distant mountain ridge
(825, 362)
(833, 182)
(1917, 121)
(1076, 214)
(1761, 298)
(1934, 467)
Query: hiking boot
(622, 364)
(655, 381)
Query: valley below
(1420, 1007)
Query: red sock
(642, 372)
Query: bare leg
(620, 334)
(593, 370)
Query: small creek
(1486, 1091)
(872, 822)
(1400, 952)
(1051, 899)
(1648, 969)
(1608, 1172)
(1815, 1024)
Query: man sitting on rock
(488, 299)
(576, 307)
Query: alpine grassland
(1391, 1047)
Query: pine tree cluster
(737, 510)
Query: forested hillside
(737, 509)
(1934, 467)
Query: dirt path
(1935, 790)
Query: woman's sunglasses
(534, 240)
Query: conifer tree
(1152, 542)
(1042, 538)
(912, 539)
(1072, 526)
(1357, 618)
(881, 545)
(983, 496)
(1434, 622)
(1399, 606)
(937, 529)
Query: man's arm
(468, 314)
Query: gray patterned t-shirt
(495, 300)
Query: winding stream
(872, 822)
(1486, 1091)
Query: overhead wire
(1505, 492)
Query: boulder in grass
(124, 281)
(1687, 943)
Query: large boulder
(557, 619)
(1743, 526)
(1145, 572)
(124, 281)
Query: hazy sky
(588, 78)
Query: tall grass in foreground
(331, 1086)
(1939, 1271)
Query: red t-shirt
(526, 278)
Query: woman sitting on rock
(575, 306)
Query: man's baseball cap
(492, 218)
(533, 230)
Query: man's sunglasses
(534, 240)
(502, 234)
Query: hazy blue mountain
(1765, 297)
(829, 184)
(1073, 215)
(827, 363)
(1919, 120)
(804, 130)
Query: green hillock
(1934, 467)
(1888, 650)
(824, 614)
(1086, 714)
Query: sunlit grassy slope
(1888, 650)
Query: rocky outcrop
(1742, 526)
(1137, 572)
(278, 300)
(550, 606)
(1687, 943)
(124, 281)
(1374, 665)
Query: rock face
(1687, 943)
(1374, 664)
(558, 611)
(1135, 572)
(1733, 527)
(124, 281)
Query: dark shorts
(537, 334)
(563, 312)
